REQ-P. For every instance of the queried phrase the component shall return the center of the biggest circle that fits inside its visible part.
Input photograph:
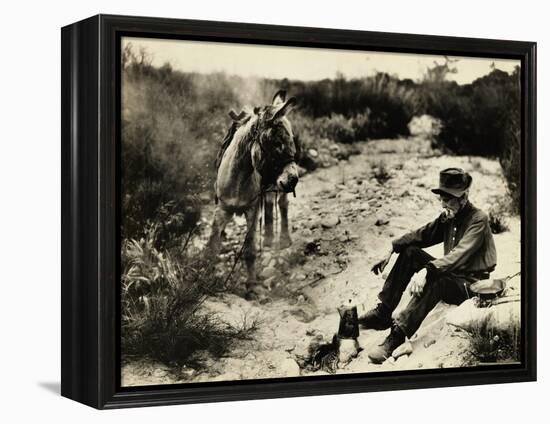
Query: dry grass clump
(491, 345)
(163, 296)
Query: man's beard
(448, 214)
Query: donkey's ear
(284, 109)
(279, 98)
(236, 117)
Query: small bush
(497, 222)
(163, 295)
(481, 118)
(489, 345)
(361, 125)
(336, 128)
(380, 172)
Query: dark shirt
(467, 240)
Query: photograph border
(90, 180)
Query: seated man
(469, 255)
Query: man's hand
(418, 282)
(378, 267)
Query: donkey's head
(274, 151)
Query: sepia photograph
(300, 212)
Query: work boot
(382, 352)
(378, 318)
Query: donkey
(259, 158)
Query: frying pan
(491, 288)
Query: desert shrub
(481, 118)
(163, 295)
(490, 345)
(474, 116)
(360, 124)
(497, 222)
(336, 128)
(321, 135)
(383, 104)
(380, 172)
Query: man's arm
(426, 236)
(463, 251)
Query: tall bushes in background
(169, 116)
(481, 118)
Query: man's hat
(453, 181)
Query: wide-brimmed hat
(453, 181)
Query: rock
(289, 368)
(405, 349)
(229, 376)
(188, 372)
(312, 153)
(425, 125)
(160, 373)
(349, 349)
(300, 276)
(268, 272)
(343, 238)
(304, 314)
(403, 193)
(504, 317)
(269, 282)
(314, 224)
(330, 222)
(290, 348)
(428, 343)
(382, 220)
(346, 195)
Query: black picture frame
(90, 209)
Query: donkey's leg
(221, 219)
(268, 214)
(284, 240)
(249, 248)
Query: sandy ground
(352, 219)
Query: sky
(303, 63)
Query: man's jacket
(467, 241)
